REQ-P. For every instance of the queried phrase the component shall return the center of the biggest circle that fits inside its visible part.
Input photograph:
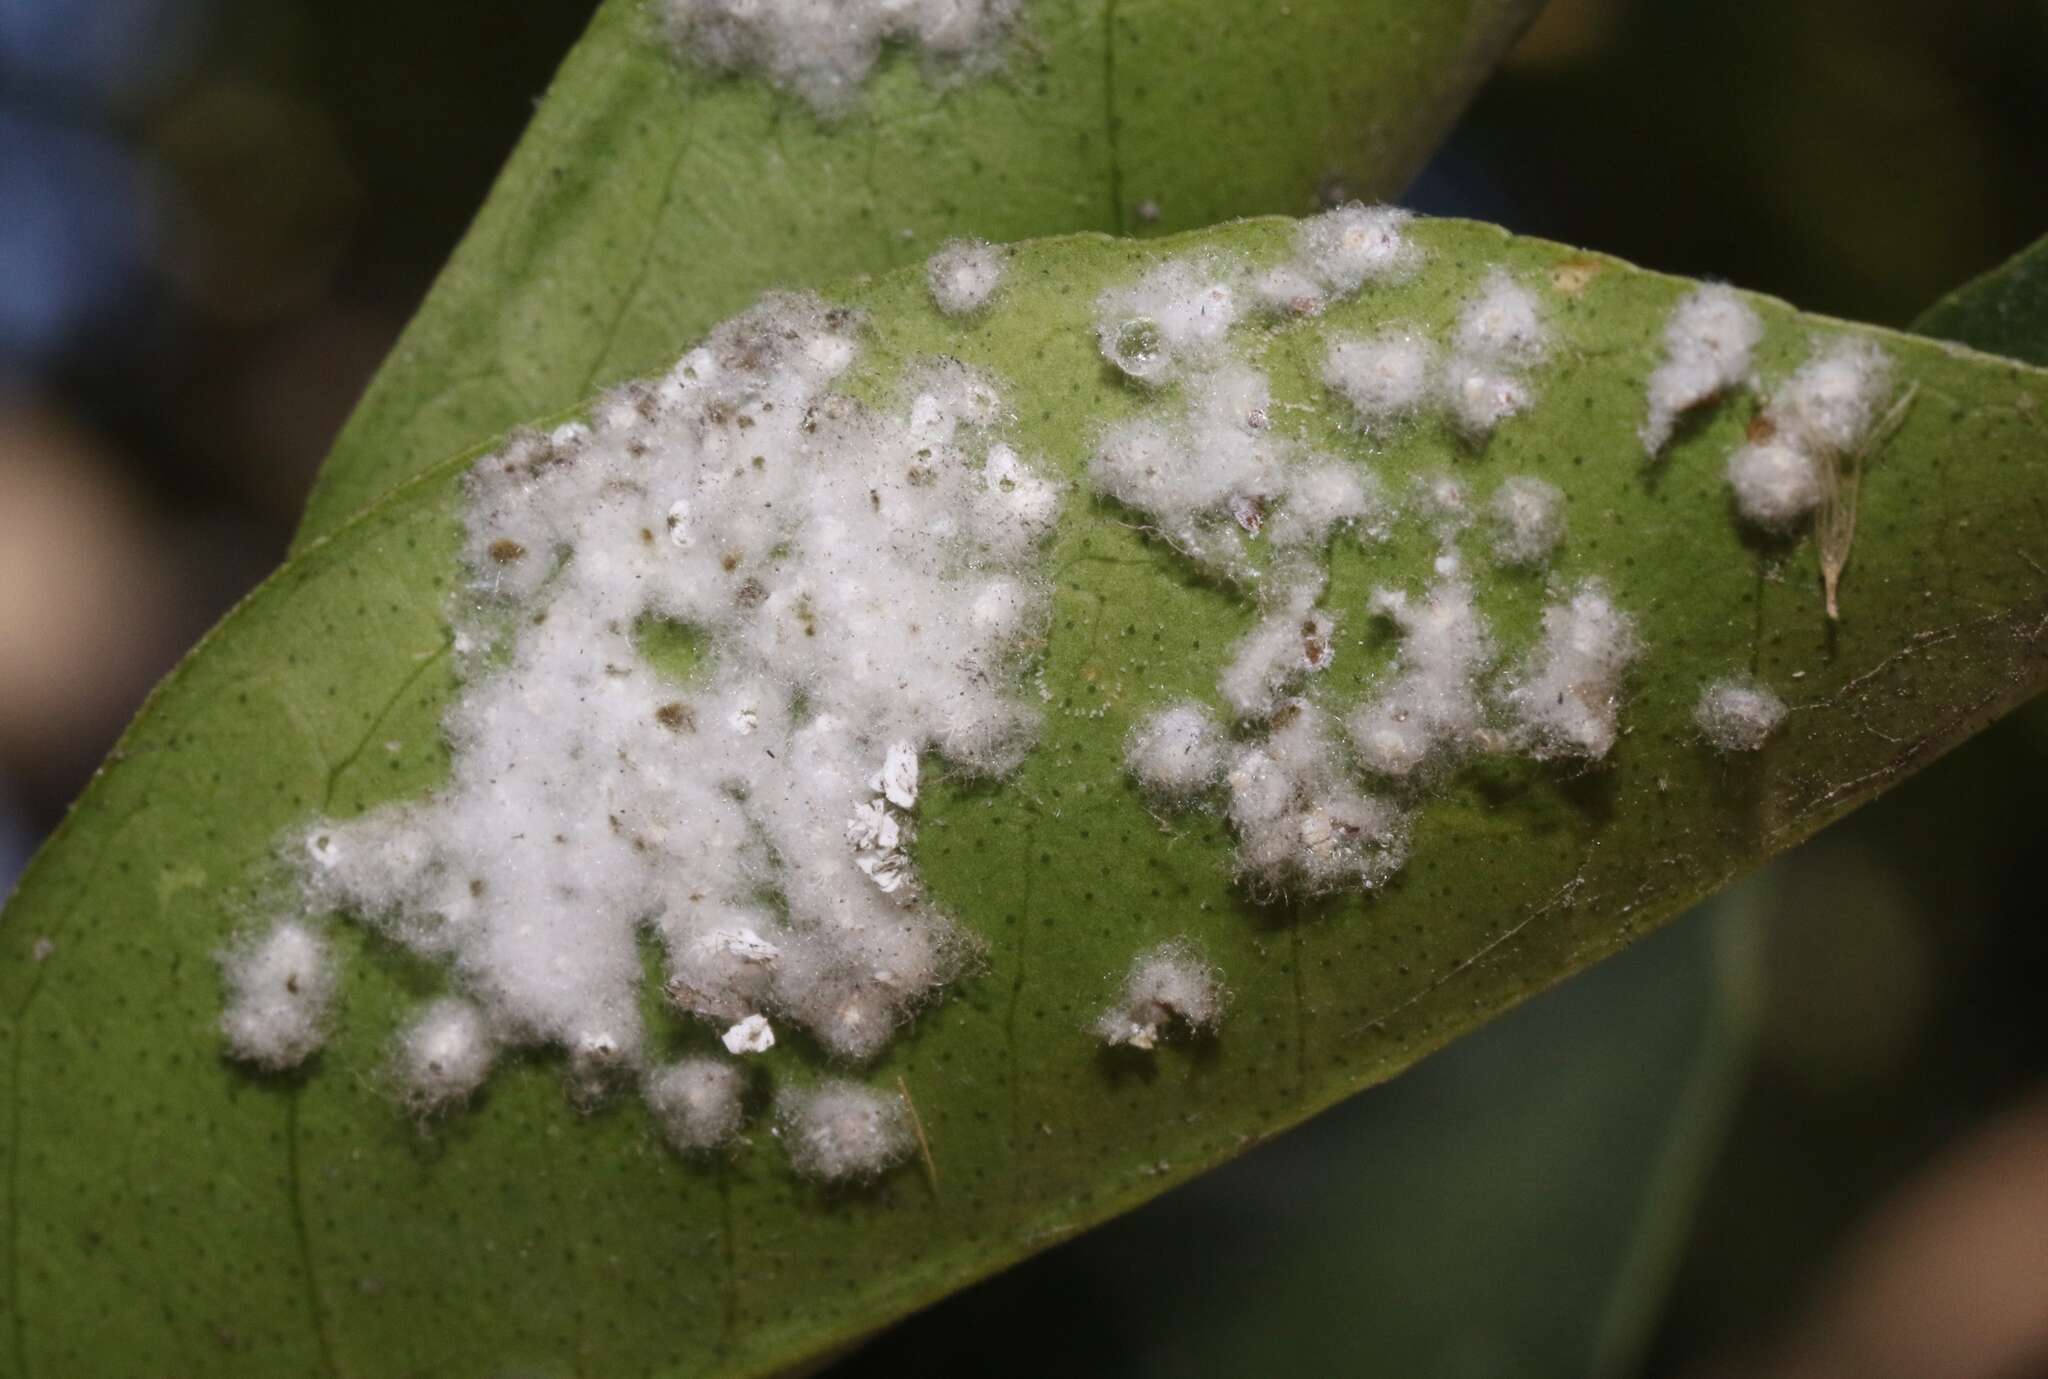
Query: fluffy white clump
(1170, 987)
(1293, 640)
(1708, 341)
(1500, 333)
(1346, 248)
(1385, 378)
(1775, 485)
(1176, 752)
(840, 1131)
(824, 51)
(1738, 714)
(1336, 254)
(1503, 324)
(445, 1053)
(1828, 406)
(864, 586)
(1526, 518)
(1173, 318)
(280, 986)
(1817, 418)
(1566, 700)
(1430, 710)
(1302, 826)
(697, 1102)
(1216, 478)
(964, 275)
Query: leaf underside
(649, 200)
(164, 1203)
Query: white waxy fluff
(1709, 339)
(823, 52)
(1499, 336)
(866, 585)
(1828, 406)
(1302, 827)
(1176, 752)
(1218, 475)
(280, 987)
(1566, 699)
(1526, 520)
(1738, 714)
(445, 1053)
(1352, 245)
(1429, 710)
(1817, 419)
(1481, 396)
(1168, 988)
(1293, 640)
(840, 1131)
(964, 274)
(1319, 497)
(1503, 324)
(1335, 255)
(1384, 377)
(1173, 318)
(1775, 485)
(698, 1102)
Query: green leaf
(649, 200)
(164, 1203)
(1515, 1204)
(2005, 311)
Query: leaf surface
(2005, 311)
(162, 1202)
(650, 199)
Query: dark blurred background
(1801, 1132)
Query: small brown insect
(505, 551)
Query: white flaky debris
(1708, 341)
(445, 1053)
(1738, 714)
(867, 584)
(824, 51)
(1430, 709)
(1169, 989)
(1526, 520)
(840, 1131)
(751, 1035)
(897, 780)
(697, 1102)
(964, 275)
(1566, 699)
(280, 986)
(1176, 752)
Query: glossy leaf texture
(162, 1202)
(650, 199)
